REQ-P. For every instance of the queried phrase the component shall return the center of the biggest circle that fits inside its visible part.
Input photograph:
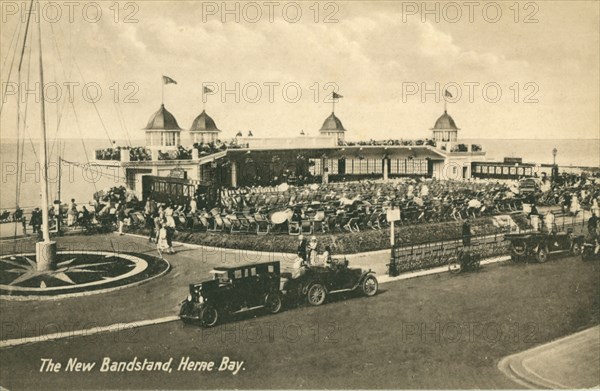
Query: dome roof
(162, 120)
(445, 122)
(203, 123)
(332, 123)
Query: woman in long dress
(161, 239)
(575, 208)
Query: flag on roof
(168, 80)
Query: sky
(514, 70)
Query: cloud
(368, 54)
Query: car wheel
(186, 309)
(576, 249)
(542, 255)
(273, 303)
(454, 266)
(370, 286)
(209, 316)
(519, 248)
(316, 294)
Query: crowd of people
(342, 207)
(179, 153)
(371, 142)
(135, 153)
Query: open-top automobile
(539, 245)
(316, 283)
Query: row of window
(174, 189)
(503, 170)
(369, 166)
(162, 138)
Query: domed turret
(162, 131)
(162, 120)
(445, 122)
(333, 127)
(204, 129)
(445, 129)
(332, 123)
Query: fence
(428, 255)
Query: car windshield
(220, 276)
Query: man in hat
(302, 247)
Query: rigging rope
(108, 75)
(111, 141)
(12, 63)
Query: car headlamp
(201, 299)
(189, 298)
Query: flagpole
(333, 103)
(162, 91)
(203, 102)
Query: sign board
(393, 215)
(178, 173)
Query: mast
(46, 251)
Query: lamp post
(554, 167)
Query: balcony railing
(390, 142)
(137, 154)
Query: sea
(80, 181)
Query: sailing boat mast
(45, 251)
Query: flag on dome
(336, 96)
(447, 94)
(207, 90)
(168, 80)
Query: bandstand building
(249, 161)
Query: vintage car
(315, 283)
(233, 290)
(529, 185)
(538, 245)
(589, 249)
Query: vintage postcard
(299, 194)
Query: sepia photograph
(306, 194)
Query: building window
(332, 166)
(315, 167)
(375, 166)
(169, 138)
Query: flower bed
(341, 243)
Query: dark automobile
(538, 245)
(589, 249)
(233, 290)
(315, 283)
(529, 186)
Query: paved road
(438, 331)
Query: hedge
(341, 242)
